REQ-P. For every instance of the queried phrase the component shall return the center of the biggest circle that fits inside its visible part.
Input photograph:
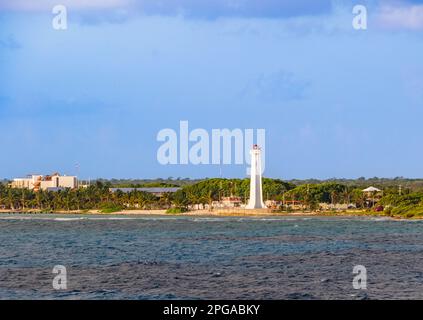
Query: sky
(91, 99)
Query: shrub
(176, 210)
(110, 208)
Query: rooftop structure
(371, 189)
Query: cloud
(276, 87)
(207, 9)
(412, 82)
(47, 5)
(238, 8)
(401, 17)
(52, 108)
(9, 43)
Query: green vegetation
(96, 196)
(206, 191)
(146, 183)
(328, 192)
(176, 210)
(381, 183)
(110, 208)
(407, 205)
(202, 193)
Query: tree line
(98, 196)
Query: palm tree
(166, 200)
(23, 199)
(210, 200)
(346, 195)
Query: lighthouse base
(255, 206)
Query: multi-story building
(36, 182)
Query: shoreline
(218, 213)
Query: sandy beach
(216, 212)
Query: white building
(38, 182)
(228, 202)
(256, 193)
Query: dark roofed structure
(55, 189)
(156, 191)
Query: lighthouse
(256, 193)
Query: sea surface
(180, 257)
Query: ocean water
(180, 257)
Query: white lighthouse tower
(256, 194)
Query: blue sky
(335, 102)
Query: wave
(241, 219)
(64, 219)
(95, 218)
